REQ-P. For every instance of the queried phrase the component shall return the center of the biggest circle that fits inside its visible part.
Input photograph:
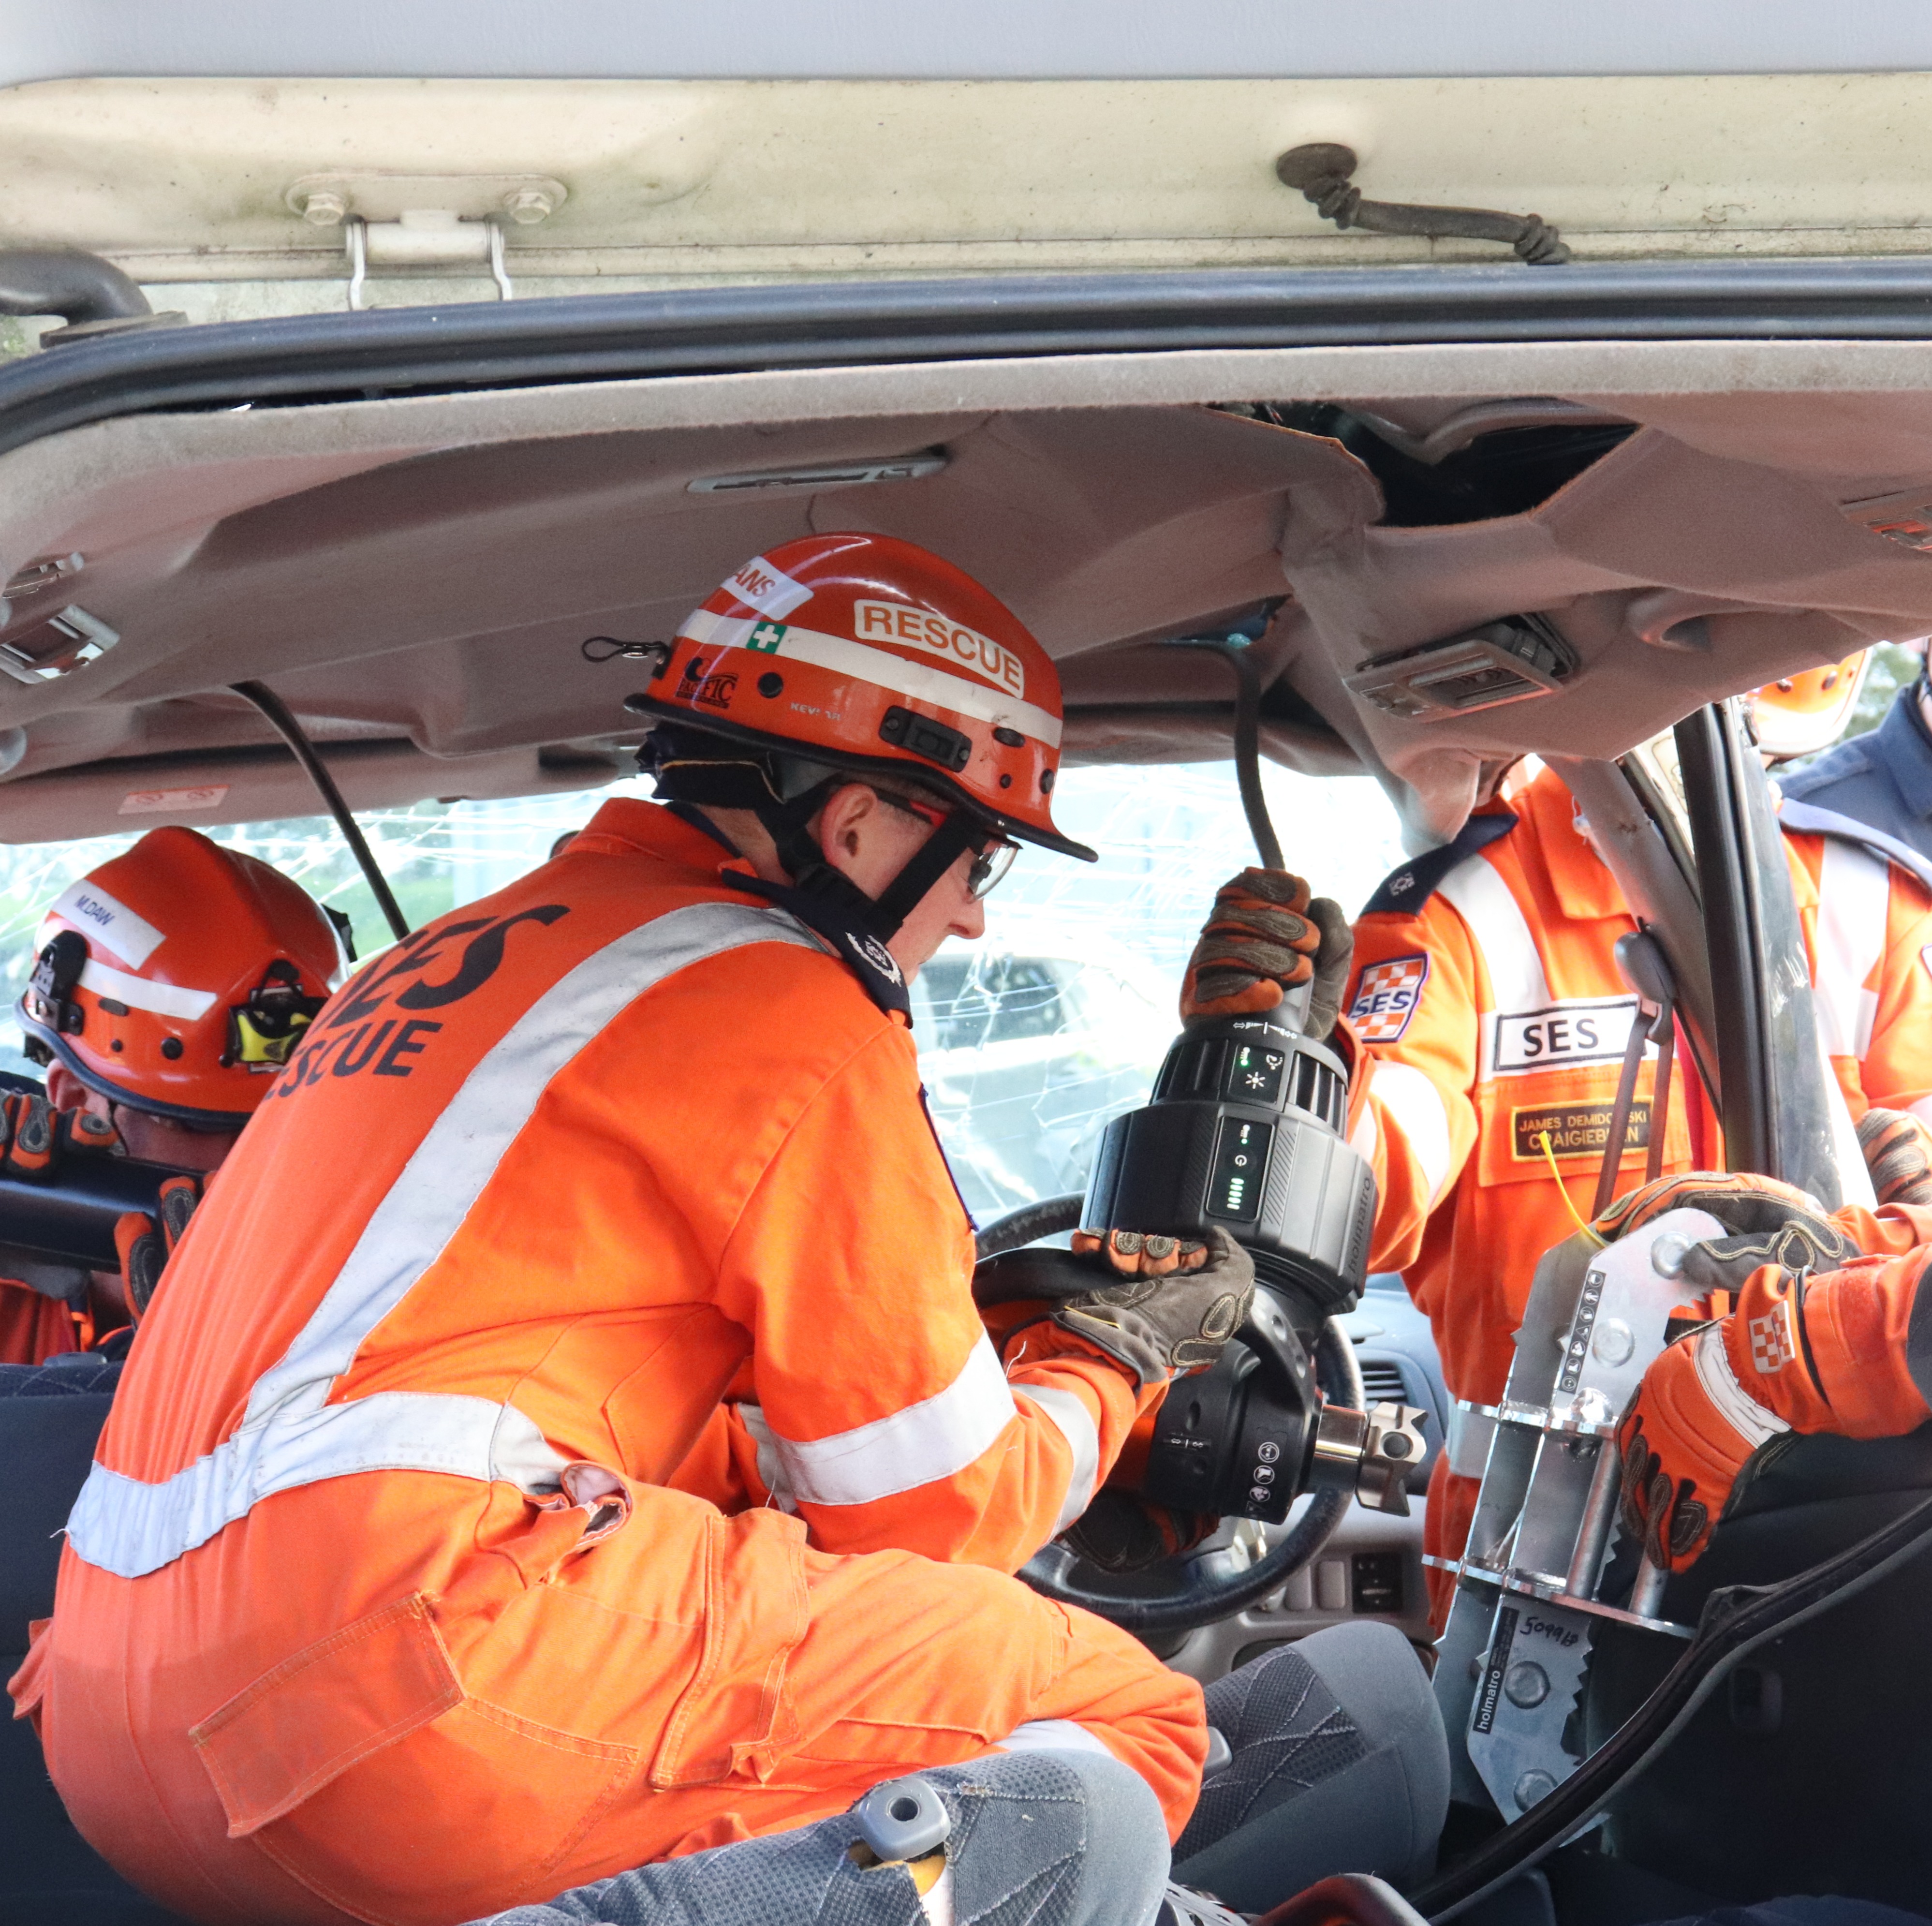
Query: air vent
(1508, 660)
(1382, 1381)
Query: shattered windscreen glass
(1029, 1041)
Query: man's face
(871, 838)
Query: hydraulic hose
(1735, 1622)
(282, 719)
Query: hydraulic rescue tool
(1245, 1133)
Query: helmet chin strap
(812, 874)
(694, 771)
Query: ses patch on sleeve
(1388, 996)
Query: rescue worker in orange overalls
(377, 1604)
(169, 986)
(1867, 931)
(1487, 993)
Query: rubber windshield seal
(315, 358)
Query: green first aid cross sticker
(765, 638)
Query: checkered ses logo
(1771, 1345)
(1387, 997)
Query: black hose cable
(286, 726)
(1247, 744)
(1734, 1622)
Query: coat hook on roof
(1321, 168)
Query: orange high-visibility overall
(1495, 1011)
(377, 1603)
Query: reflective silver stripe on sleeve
(1414, 1106)
(770, 1471)
(290, 1435)
(917, 1446)
(1854, 907)
(1075, 1423)
(1502, 937)
(1735, 1405)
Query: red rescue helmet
(873, 657)
(178, 977)
(1797, 715)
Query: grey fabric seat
(50, 1418)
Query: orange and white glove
(145, 1245)
(1830, 1354)
(1898, 1154)
(1264, 936)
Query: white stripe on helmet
(138, 993)
(880, 667)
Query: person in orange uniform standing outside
(170, 985)
(1865, 899)
(377, 1604)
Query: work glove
(1264, 937)
(1898, 1154)
(1174, 1305)
(145, 1243)
(1121, 1532)
(1828, 1354)
(1768, 1223)
(34, 1136)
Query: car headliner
(416, 574)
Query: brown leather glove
(1264, 936)
(1174, 1309)
(1898, 1154)
(1769, 1222)
(1121, 1532)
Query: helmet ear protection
(263, 1032)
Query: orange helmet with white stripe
(1798, 715)
(869, 655)
(179, 978)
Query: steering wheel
(1202, 1586)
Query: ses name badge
(1387, 997)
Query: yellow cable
(1563, 1191)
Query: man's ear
(65, 1091)
(846, 811)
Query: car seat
(1810, 1769)
(50, 1416)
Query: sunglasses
(991, 861)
